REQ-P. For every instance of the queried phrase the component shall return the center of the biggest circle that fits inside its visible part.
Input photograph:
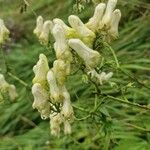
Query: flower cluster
(51, 96)
(4, 32)
(7, 89)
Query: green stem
(128, 103)
(113, 52)
(18, 79)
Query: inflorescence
(51, 97)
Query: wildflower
(67, 127)
(69, 32)
(86, 35)
(6, 88)
(90, 57)
(101, 77)
(108, 14)
(59, 69)
(4, 32)
(116, 16)
(54, 89)
(98, 14)
(67, 110)
(60, 46)
(41, 100)
(40, 70)
(44, 36)
(55, 122)
(39, 26)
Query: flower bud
(44, 36)
(39, 26)
(90, 57)
(40, 70)
(54, 89)
(4, 32)
(86, 35)
(67, 127)
(41, 98)
(94, 21)
(108, 14)
(114, 23)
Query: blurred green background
(118, 126)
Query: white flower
(60, 71)
(103, 77)
(54, 89)
(94, 21)
(44, 36)
(116, 16)
(7, 88)
(56, 120)
(39, 26)
(69, 32)
(90, 57)
(86, 35)
(4, 32)
(60, 46)
(41, 98)
(67, 127)
(4, 86)
(40, 70)
(59, 22)
(12, 92)
(108, 14)
(67, 109)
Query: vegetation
(117, 118)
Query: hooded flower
(67, 109)
(55, 122)
(54, 88)
(93, 22)
(41, 100)
(106, 20)
(39, 26)
(4, 32)
(116, 16)
(69, 32)
(86, 35)
(60, 46)
(60, 71)
(44, 36)
(6, 88)
(40, 70)
(89, 56)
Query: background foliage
(114, 125)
